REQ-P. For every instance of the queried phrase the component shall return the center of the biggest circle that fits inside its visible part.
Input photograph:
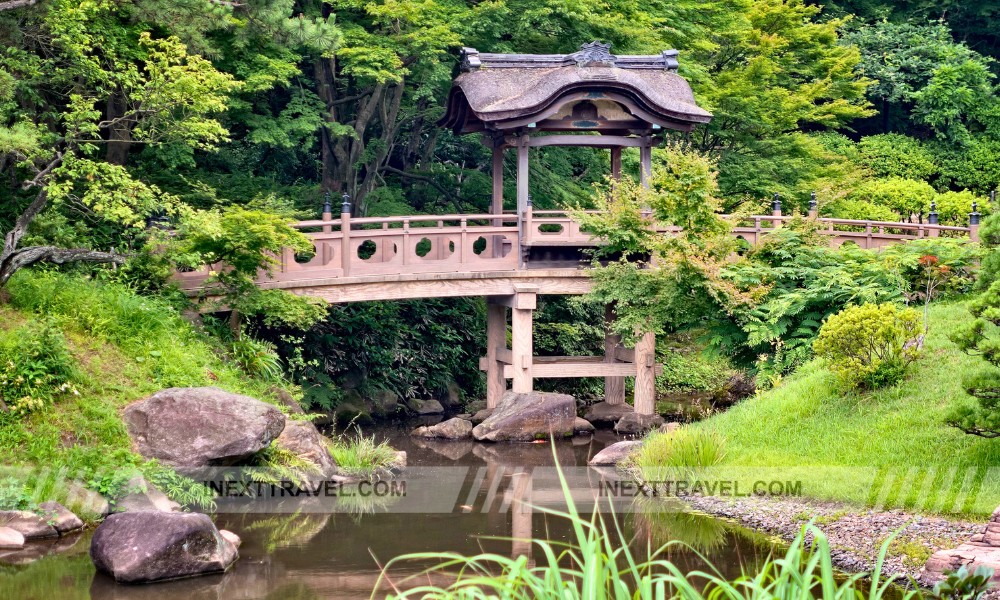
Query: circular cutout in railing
(304, 257)
(366, 249)
(423, 247)
(550, 228)
(451, 247)
(848, 244)
(479, 246)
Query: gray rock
(28, 524)
(142, 547)
(400, 462)
(475, 406)
(634, 423)
(426, 407)
(60, 517)
(971, 555)
(603, 414)
(143, 496)
(231, 537)
(527, 417)
(452, 429)
(452, 396)
(199, 427)
(287, 400)
(11, 539)
(481, 416)
(353, 409)
(384, 402)
(89, 503)
(615, 453)
(669, 427)
(302, 439)
(582, 426)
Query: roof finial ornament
(594, 54)
(470, 59)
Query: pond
(459, 496)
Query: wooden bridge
(517, 102)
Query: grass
(127, 347)
(357, 455)
(889, 448)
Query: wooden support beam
(496, 339)
(526, 301)
(575, 366)
(645, 377)
(616, 162)
(645, 160)
(614, 387)
(623, 354)
(522, 345)
(590, 141)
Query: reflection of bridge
(519, 102)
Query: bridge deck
(428, 256)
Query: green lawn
(888, 448)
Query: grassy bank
(124, 347)
(888, 448)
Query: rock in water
(582, 426)
(480, 416)
(11, 539)
(528, 417)
(59, 517)
(28, 524)
(144, 496)
(452, 429)
(302, 439)
(200, 427)
(142, 547)
(603, 414)
(615, 453)
(634, 423)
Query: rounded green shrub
(896, 155)
(870, 346)
(904, 196)
(954, 207)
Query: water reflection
(304, 556)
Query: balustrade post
(406, 241)
(327, 213)
(813, 210)
(526, 232)
(932, 219)
(345, 235)
(776, 211)
(974, 222)
(464, 242)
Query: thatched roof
(505, 91)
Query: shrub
(256, 358)
(869, 346)
(904, 196)
(954, 207)
(896, 155)
(35, 367)
(861, 210)
(361, 455)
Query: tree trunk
(119, 130)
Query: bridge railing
(379, 246)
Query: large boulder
(452, 429)
(142, 547)
(528, 417)
(480, 416)
(615, 453)
(582, 426)
(636, 424)
(384, 402)
(603, 414)
(59, 517)
(28, 524)
(302, 439)
(426, 407)
(200, 427)
(983, 550)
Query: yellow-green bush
(869, 346)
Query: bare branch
(50, 254)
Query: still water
(318, 555)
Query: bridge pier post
(614, 387)
(521, 345)
(496, 340)
(645, 376)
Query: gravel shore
(856, 535)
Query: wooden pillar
(345, 239)
(522, 172)
(645, 376)
(614, 387)
(496, 338)
(616, 162)
(646, 160)
(497, 205)
(522, 345)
